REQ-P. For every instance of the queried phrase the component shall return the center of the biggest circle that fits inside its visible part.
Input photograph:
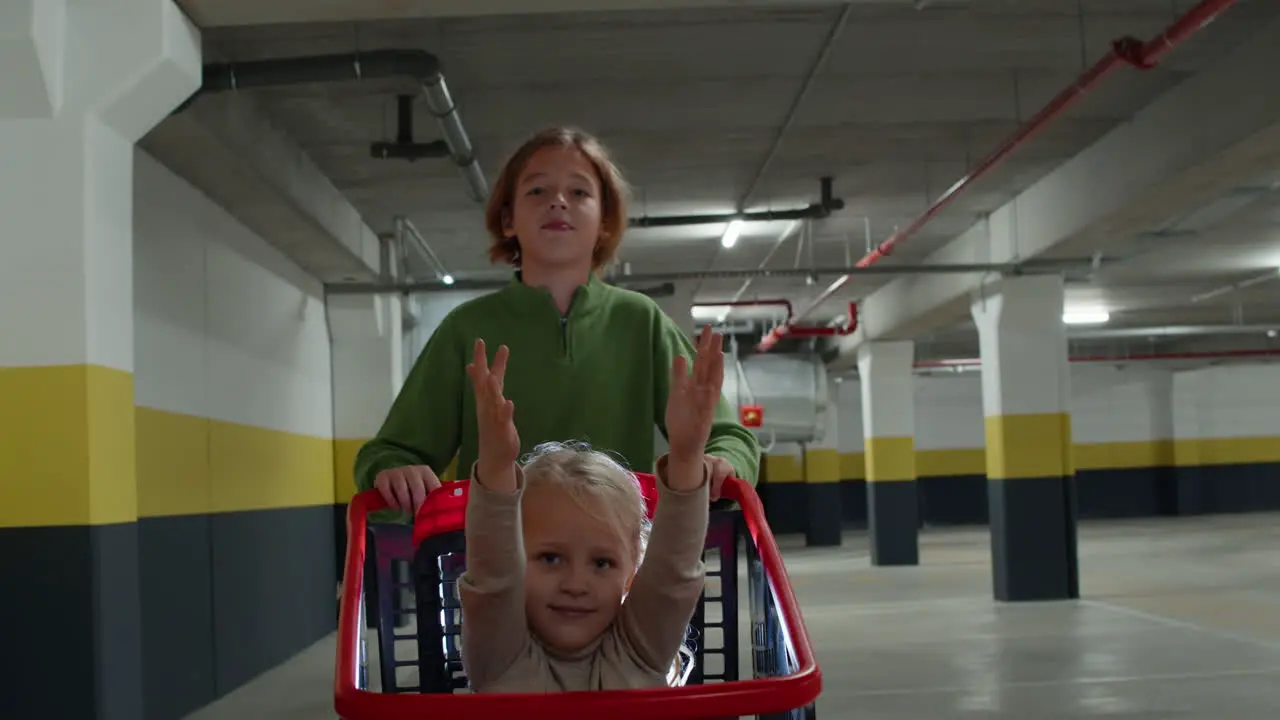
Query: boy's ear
(508, 230)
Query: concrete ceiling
(701, 103)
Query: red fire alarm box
(752, 415)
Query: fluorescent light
(1085, 317)
(447, 279)
(709, 312)
(731, 233)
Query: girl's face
(555, 211)
(578, 568)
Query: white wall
(368, 362)
(949, 412)
(235, 456)
(226, 328)
(1238, 401)
(1108, 405)
(1120, 405)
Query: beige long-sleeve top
(501, 654)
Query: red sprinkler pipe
(1148, 357)
(1125, 51)
(787, 330)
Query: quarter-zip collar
(538, 306)
(587, 298)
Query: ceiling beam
(221, 13)
(233, 152)
(1179, 152)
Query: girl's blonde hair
(613, 187)
(586, 473)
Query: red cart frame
(758, 696)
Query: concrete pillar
(1026, 400)
(888, 421)
(81, 83)
(822, 476)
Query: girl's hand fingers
(499, 369)
(679, 374)
(717, 362)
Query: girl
(594, 359)
(553, 548)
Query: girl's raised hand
(499, 442)
(691, 403)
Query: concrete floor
(1181, 620)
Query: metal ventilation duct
(418, 65)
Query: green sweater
(599, 374)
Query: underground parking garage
(998, 285)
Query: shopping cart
(785, 683)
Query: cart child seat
(785, 682)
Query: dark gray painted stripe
(70, 620)
(893, 510)
(825, 522)
(158, 619)
(1033, 539)
(177, 614)
(786, 507)
(274, 589)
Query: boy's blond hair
(613, 188)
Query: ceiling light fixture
(731, 233)
(447, 279)
(1085, 317)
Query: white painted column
(1026, 400)
(80, 83)
(888, 422)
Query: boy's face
(578, 570)
(556, 209)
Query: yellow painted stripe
(191, 465)
(782, 469)
(958, 462)
(67, 454)
(1029, 446)
(451, 471)
(822, 465)
(890, 459)
(344, 465)
(1226, 451)
(254, 468)
(853, 466)
(1123, 455)
(173, 464)
(951, 462)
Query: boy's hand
(691, 404)
(499, 442)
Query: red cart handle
(761, 696)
